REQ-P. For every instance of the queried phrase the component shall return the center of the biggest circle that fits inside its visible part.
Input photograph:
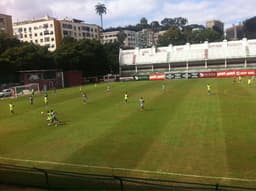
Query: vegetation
(89, 56)
(181, 131)
(100, 10)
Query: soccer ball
(42, 112)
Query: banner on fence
(157, 76)
(182, 75)
(141, 77)
(236, 73)
(207, 74)
(128, 78)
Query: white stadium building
(205, 57)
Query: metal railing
(55, 179)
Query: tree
(174, 22)
(7, 42)
(85, 55)
(112, 50)
(121, 36)
(173, 36)
(68, 40)
(155, 25)
(143, 21)
(101, 9)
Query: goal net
(26, 89)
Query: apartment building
(112, 36)
(145, 38)
(48, 31)
(43, 31)
(236, 32)
(78, 29)
(216, 25)
(6, 24)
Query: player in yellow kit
(125, 97)
(209, 89)
(11, 107)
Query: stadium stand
(204, 56)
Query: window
(52, 39)
(25, 29)
(25, 36)
(35, 34)
(53, 46)
(46, 33)
(67, 26)
(51, 32)
(41, 34)
(51, 25)
(91, 29)
(36, 41)
(35, 28)
(41, 40)
(2, 20)
(85, 28)
(20, 29)
(79, 28)
(29, 29)
(46, 39)
(45, 26)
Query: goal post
(26, 89)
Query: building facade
(129, 42)
(48, 31)
(216, 25)
(44, 31)
(6, 24)
(236, 32)
(79, 30)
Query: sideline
(129, 170)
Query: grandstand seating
(221, 51)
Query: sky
(125, 12)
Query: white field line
(128, 170)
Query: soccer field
(183, 133)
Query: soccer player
(249, 82)
(54, 117)
(31, 101)
(240, 79)
(163, 87)
(33, 92)
(209, 89)
(80, 88)
(46, 99)
(49, 118)
(84, 97)
(234, 80)
(108, 89)
(141, 104)
(11, 107)
(125, 97)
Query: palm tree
(100, 9)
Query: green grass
(182, 130)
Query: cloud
(124, 12)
